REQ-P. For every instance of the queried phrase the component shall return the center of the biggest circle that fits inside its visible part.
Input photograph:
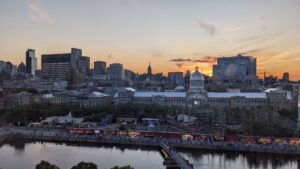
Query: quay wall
(155, 142)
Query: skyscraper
(56, 66)
(31, 62)
(75, 56)
(235, 70)
(116, 71)
(286, 77)
(21, 68)
(175, 79)
(66, 65)
(84, 65)
(99, 67)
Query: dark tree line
(37, 112)
(81, 165)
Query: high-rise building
(270, 80)
(8, 67)
(21, 68)
(175, 79)
(187, 79)
(235, 70)
(286, 77)
(31, 62)
(2, 65)
(129, 75)
(75, 56)
(66, 66)
(56, 66)
(99, 67)
(116, 71)
(84, 65)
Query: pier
(174, 156)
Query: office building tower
(84, 65)
(176, 79)
(235, 70)
(285, 77)
(56, 66)
(99, 67)
(66, 66)
(116, 71)
(31, 62)
(75, 56)
(21, 68)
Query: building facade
(197, 96)
(66, 66)
(99, 67)
(235, 70)
(175, 79)
(31, 62)
(56, 66)
(116, 71)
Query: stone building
(197, 96)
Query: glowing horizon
(134, 32)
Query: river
(21, 155)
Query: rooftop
(236, 94)
(165, 94)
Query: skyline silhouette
(174, 36)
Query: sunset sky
(175, 35)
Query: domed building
(196, 94)
(196, 81)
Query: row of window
(167, 100)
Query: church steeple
(149, 71)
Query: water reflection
(67, 155)
(17, 145)
(27, 154)
(228, 160)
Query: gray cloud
(179, 65)
(205, 59)
(180, 60)
(210, 29)
(259, 38)
(157, 53)
(255, 50)
(38, 14)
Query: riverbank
(53, 135)
(8, 135)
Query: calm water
(20, 155)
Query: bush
(124, 167)
(84, 165)
(45, 165)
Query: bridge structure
(172, 159)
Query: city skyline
(173, 36)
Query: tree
(45, 165)
(124, 167)
(84, 165)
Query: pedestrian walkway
(181, 162)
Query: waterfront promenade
(59, 135)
